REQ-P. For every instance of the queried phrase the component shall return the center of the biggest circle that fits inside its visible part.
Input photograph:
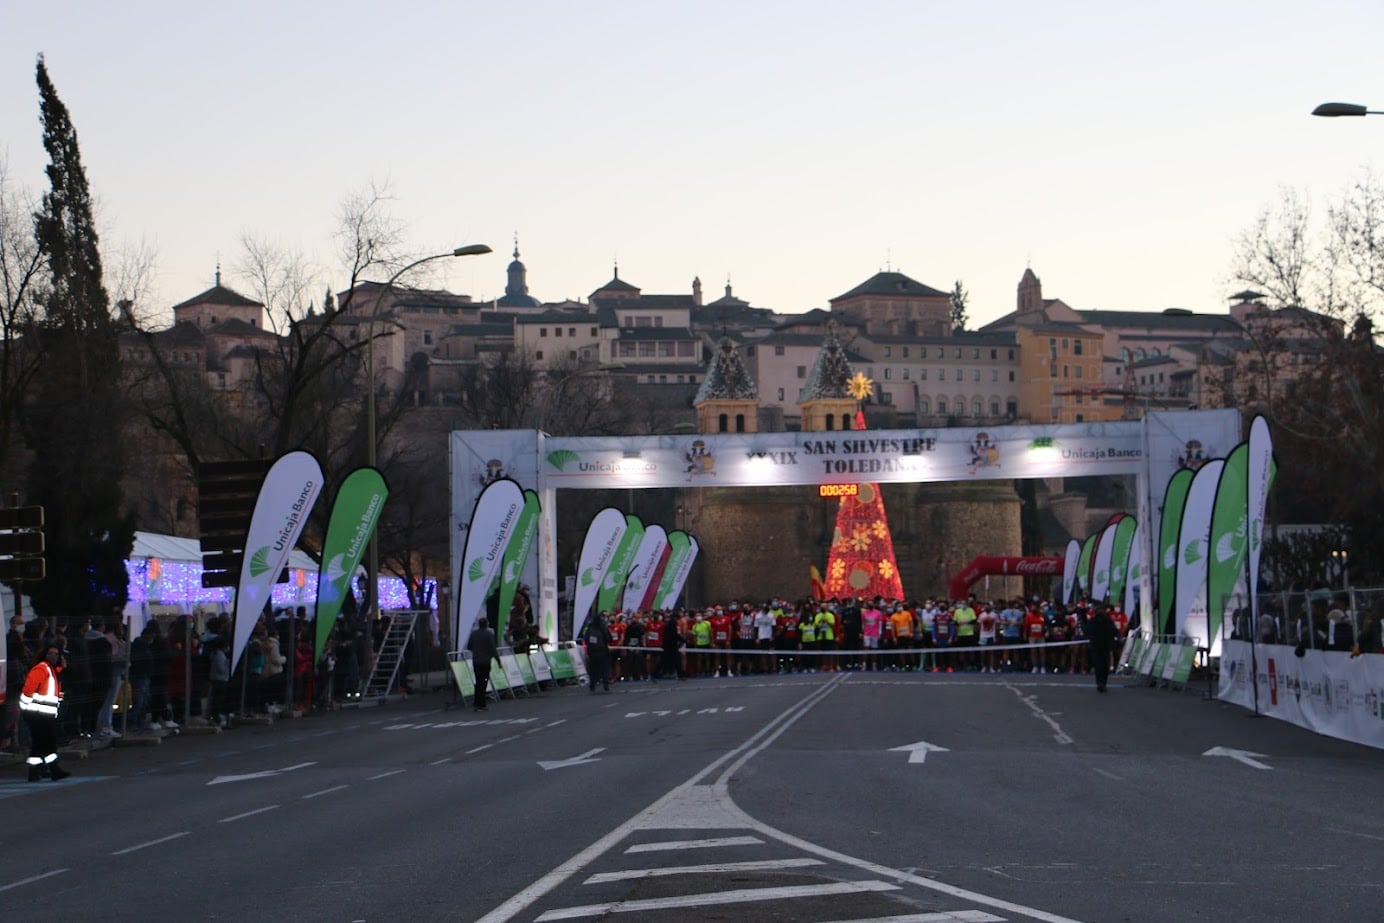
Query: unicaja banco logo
(562, 458)
(259, 562)
(588, 576)
(336, 567)
(476, 571)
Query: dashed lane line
(325, 791)
(31, 879)
(136, 848)
(386, 775)
(236, 817)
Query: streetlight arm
(1334, 110)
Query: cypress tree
(74, 417)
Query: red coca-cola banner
(1003, 566)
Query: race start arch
(1150, 450)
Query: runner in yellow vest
(807, 630)
(826, 636)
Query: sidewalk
(435, 684)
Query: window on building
(1079, 370)
(958, 353)
(1076, 347)
(831, 422)
(888, 373)
(739, 422)
(994, 374)
(922, 374)
(941, 374)
(978, 409)
(941, 405)
(905, 352)
(1124, 353)
(1011, 355)
(647, 349)
(888, 351)
(1052, 370)
(780, 393)
(1155, 352)
(1011, 409)
(538, 355)
(723, 423)
(994, 408)
(663, 379)
(542, 331)
(557, 331)
(686, 348)
(994, 354)
(975, 374)
(802, 371)
(221, 379)
(1064, 344)
(571, 331)
(922, 352)
(595, 332)
(1066, 371)
(924, 407)
(1140, 355)
(778, 350)
(665, 349)
(905, 373)
(975, 352)
(571, 354)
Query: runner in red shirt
(787, 638)
(721, 625)
(653, 638)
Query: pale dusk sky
(793, 147)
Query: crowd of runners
(779, 636)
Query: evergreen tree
(73, 420)
(958, 306)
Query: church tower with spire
(727, 401)
(825, 401)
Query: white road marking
(955, 916)
(31, 879)
(386, 775)
(757, 865)
(130, 849)
(325, 791)
(588, 757)
(712, 843)
(1108, 774)
(1239, 756)
(480, 748)
(445, 759)
(234, 817)
(917, 753)
(1031, 701)
(717, 897)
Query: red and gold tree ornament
(862, 562)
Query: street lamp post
(371, 449)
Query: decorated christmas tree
(862, 561)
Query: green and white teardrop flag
(493, 523)
(355, 514)
(1121, 555)
(598, 549)
(1083, 564)
(1225, 568)
(1193, 549)
(1260, 472)
(516, 556)
(1169, 522)
(1069, 566)
(285, 500)
(645, 566)
(689, 556)
(1134, 572)
(679, 543)
(614, 581)
(1100, 562)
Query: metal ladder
(391, 653)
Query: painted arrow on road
(1240, 756)
(917, 753)
(588, 757)
(264, 774)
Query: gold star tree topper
(860, 387)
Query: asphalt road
(831, 797)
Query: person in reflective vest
(39, 701)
